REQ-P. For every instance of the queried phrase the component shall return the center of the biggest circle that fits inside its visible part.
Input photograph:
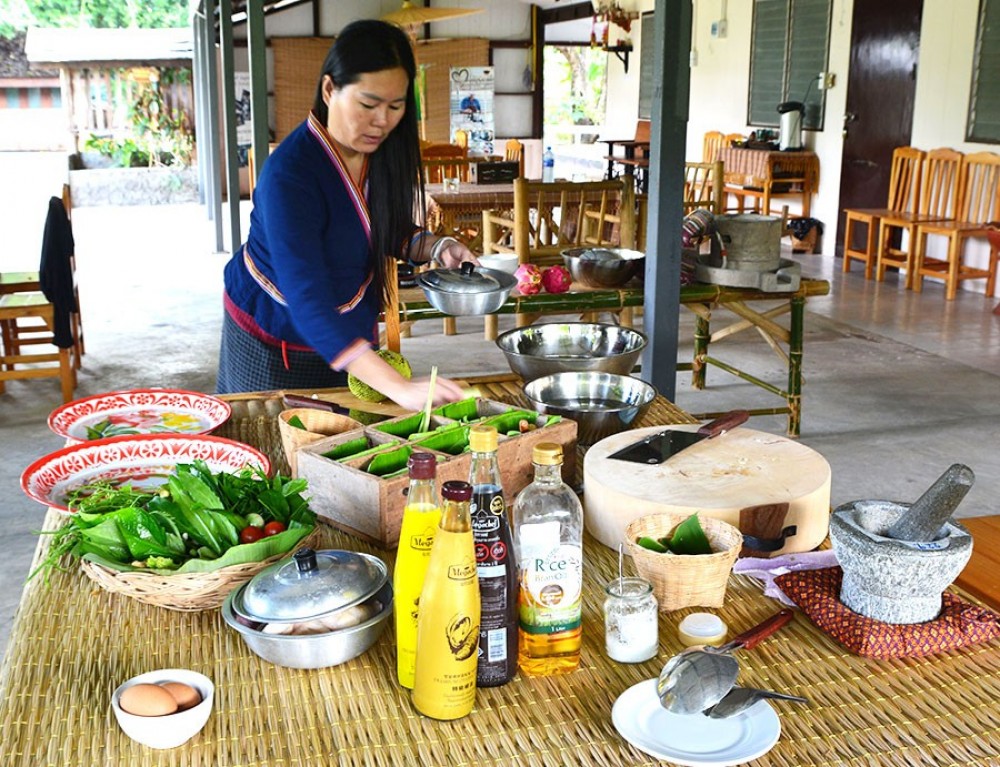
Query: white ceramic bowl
(505, 262)
(174, 729)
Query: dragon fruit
(556, 279)
(529, 279)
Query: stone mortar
(889, 580)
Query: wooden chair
(979, 195)
(549, 218)
(703, 186)
(635, 157)
(711, 144)
(26, 330)
(938, 202)
(443, 161)
(905, 176)
(28, 318)
(514, 152)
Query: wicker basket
(685, 580)
(318, 423)
(185, 592)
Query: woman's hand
(408, 394)
(450, 253)
(413, 396)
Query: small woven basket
(685, 580)
(318, 423)
(185, 592)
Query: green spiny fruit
(363, 391)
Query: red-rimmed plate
(139, 411)
(145, 460)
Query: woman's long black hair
(394, 174)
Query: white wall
(719, 84)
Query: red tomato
(250, 534)
(273, 528)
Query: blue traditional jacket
(303, 279)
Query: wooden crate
(371, 507)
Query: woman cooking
(303, 294)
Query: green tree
(18, 15)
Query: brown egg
(147, 700)
(185, 695)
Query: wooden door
(885, 48)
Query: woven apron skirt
(248, 364)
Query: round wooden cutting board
(724, 477)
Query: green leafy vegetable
(191, 525)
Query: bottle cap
(702, 629)
(456, 491)
(547, 454)
(483, 438)
(422, 465)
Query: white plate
(693, 739)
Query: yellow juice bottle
(421, 517)
(448, 622)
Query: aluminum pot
(559, 347)
(312, 588)
(470, 290)
(602, 404)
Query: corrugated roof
(97, 46)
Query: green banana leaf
(389, 462)
(404, 428)
(462, 410)
(689, 538)
(453, 440)
(350, 449)
(245, 553)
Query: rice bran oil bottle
(548, 542)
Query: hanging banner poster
(471, 106)
(244, 125)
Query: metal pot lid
(465, 279)
(310, 584)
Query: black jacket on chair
(55, 273)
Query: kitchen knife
(657, 448)
(298, 400)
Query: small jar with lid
(631, 620)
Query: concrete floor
(898, 385)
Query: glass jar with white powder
(631, 627)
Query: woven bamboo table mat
(72, 643)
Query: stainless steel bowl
(313, 650)
(603, 267)
(560, 347)
(602, 404)
(449, 297)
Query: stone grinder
(899, 558)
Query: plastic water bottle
(548, 165)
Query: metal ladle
(699, 677)
(739, 699)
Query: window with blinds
(789, 48)
(984, 103)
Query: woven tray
(186, 592)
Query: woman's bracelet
(440, 245)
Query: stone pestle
(925, 517)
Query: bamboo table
(73, 643)
(753, 309)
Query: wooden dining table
(458, 210)
(73, 643)
(772, 173)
